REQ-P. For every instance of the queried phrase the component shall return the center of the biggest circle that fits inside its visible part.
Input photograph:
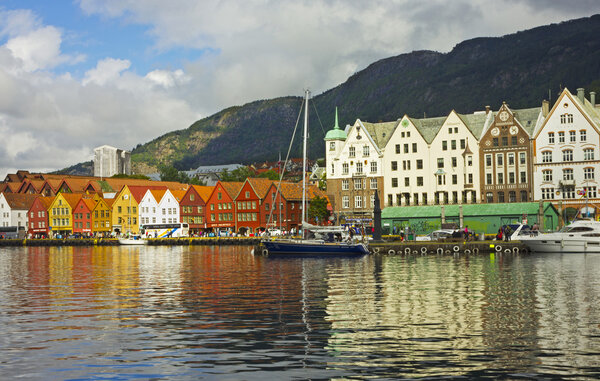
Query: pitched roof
(428, 127)
(527, 118)
(91, 204)
(204, 191)
(46, 201)
(138, 192)
(20, 201)
(381, 132)
(178, 194)
(474, 122)
(232, 188)
(260, 186)
(72, 198)
(158, 194)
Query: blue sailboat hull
(291, 247)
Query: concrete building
(109, 161)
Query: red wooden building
(38, 217)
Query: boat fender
(407, 251)
(525, 250)
(265, 252)
(391, 251)
(423, 250)
(476, 250)
(415, 252)
(376, 250)
(507, 251)
(498, 248)
(447, 252)
(440, 251)
(455, 248)
(516, 250)
(467, 251)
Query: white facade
(10, 216)
(109, 161)
(408, 169)
(163, 211)
(566, 156)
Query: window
(352, 152)
(500, 178)
(499, 159)
(373, 167)
(454, 162)
(397, 148)
(511, 158)
(495, 142)
(345, 168)
(547, 157)
(547, 193)
(505, 140)
(551, 137)
(444, 145)
(332, 146)
(419, 164)
(567, 155)
(572, 137)
(470, 178)
(414, 147)
(420, 181)
(358, 184)
(588, 154)
(488, 160)
(489, 197)
(345, 202)
(406, 148)
(567, 174)
(441, 179)
(513, 140)
(463, 144)
(547, 175)
(561, 137)
(372, 203)
(588, 173)
(440, 162)
(359, 167)
(522, 158)
(373, 183)
(523, 177)
(332, 169)
(453, 144)
(394, 165)
(469, 161)
(566, 118)
(523, 196)
(512, 196)
(511, 177)
(407, 181)
(358, 202)
(454, 179)
(500, 196)
(394, 182)
(365, 151)
(345, 184)
(582, 135)
(488, 178)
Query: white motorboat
(135, 240)
(581, 236)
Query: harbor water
(220, 313)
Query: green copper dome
(336, 133)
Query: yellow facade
(60, 213)
(101, 216)
(125, 212)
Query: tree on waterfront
(317, 210)
(170, 173)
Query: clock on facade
(503, 116)
(495, 131)
(514, 130)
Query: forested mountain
(522, 69)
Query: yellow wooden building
(60, 213)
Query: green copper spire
(337, 133)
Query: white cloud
(105, 71)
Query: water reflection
(214, 312)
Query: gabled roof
(474, 122)
(20, 201)
(138, 192)
(158, 194)
(89, 203)
(260, 186)
(428, 127)
(72, 198)
(380, 133)
(527, 118)
(45, 201)
(178, 194)
(232, 188)
(204, 191)
(13, 187)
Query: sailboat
(325, 240)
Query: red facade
(82, 217)
(193, 207)
(220, 211)
(38, 217)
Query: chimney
(593, 98)
(581, 94)
(487, 110)
(545, 108)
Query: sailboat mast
(306, 95)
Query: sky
(78, 74)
